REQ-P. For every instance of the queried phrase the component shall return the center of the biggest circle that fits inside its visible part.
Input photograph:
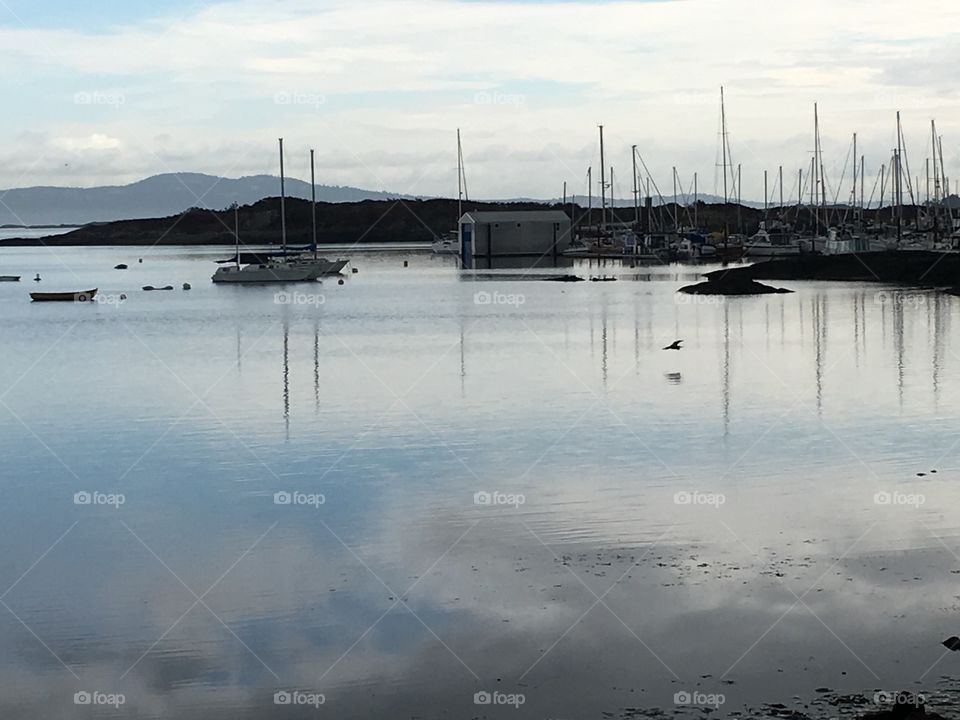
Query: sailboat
(284, 267)
(267, 271)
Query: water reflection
(402, 594)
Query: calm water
(698, 521)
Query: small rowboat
(82, 296)
(9, 278)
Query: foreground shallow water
(396, 493)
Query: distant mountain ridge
(159, 196)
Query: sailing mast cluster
(895, 218)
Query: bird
(675, 345)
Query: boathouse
(527, 233)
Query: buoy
(123, 296)
(186, 286)
(140, 260)
(37, 278)
(354, 270)
(405, 263)
(340, 281)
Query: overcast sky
(122, 89)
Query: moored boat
(9, 278)
(81, 296)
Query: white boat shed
(537, 233)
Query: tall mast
(739, 206)
(636, 190)
(696, 203)
(898, 184)
(765, 195)
(603, 187)
(313, 205)
(236, 231)
(590, 195)
(780, 182)
(459, 182)
(723, 143)
(676, 213)
(283, 203)
(815, 188)
(855, 178)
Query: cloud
(400, 75)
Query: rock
(724, 284)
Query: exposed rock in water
(722, 283)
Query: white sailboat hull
(261, 274)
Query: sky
(112, 91)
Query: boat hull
(263, 274)
(9, 278)
(82, 296)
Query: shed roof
(518, 216)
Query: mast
(283, 204)
(855, 177)
(236, 231)
(590, 196)
(765, 195)
(780, 182)
(815, 187)
(636, 191)
(696, 203)
(676, 213)
(313, 205)
(723, 143)
(898, 184)
(603, 187)
(459, 183)
(739, 206)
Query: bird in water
(675, 345)
(37, 278)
